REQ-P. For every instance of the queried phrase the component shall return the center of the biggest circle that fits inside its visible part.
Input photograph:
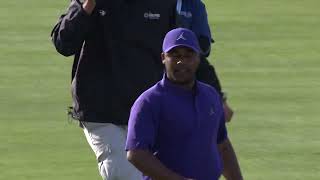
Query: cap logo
(181, 37)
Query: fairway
(267, 57)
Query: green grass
(38, 142)
(267, 56)
(268, 60)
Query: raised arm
(72, 27)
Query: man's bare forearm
(150, 166)
(231, 168)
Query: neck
(187, 86)
(184, 85)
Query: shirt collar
(178, 90)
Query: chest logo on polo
(211, 112)
(151, 16)
(181, 37)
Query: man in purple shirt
(176, 128)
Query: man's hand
(228, 112)
(88, 6)
(150, 166)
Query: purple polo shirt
(180, 127)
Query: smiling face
(181, 64)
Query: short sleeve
(142, 126)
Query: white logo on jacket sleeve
(151, 16)
(186, 14)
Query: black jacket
(117, 54)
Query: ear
(163, 58)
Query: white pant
(108, 143)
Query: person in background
(192, 14)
